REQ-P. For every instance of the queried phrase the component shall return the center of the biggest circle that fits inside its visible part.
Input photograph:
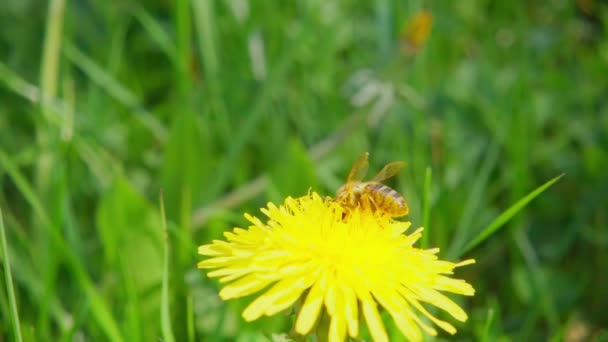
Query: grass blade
(156, 32)
(99, 308)
(116, 90)
(539, 280)
(426, 206)
(165, 315)
(473, 202)
(8, 278)
(183, 46)
(488, 325)
(190, 319)
(33, 94)
(51, 51)
(204, 14)
(507, 215)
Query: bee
(372, 194)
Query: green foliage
(227, 105)
(14, 314)
(129, 230)
(292, 173)
(186, 167)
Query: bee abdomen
(387, 199)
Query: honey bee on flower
(372, 194)
(347, 270)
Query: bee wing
(388, 171)
(359, 169)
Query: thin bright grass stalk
(45, 163)
(190, 318)
(204, 14)
(89, 150)
(30, 278)
(67, 126)
(426, 206)
(183, 38)
(99, 308)
(186, 220)
(32, 93)
(165, 315)
(51, 52)
(384, 27)
(8, 278)
(506, 216)
(488, 325)
(157, 33)
(18, 85)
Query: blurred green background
(226, 105)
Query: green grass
(228, 105)
(14, 313)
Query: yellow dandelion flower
(344, 265)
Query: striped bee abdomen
(386, 199)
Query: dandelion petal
(346, 263)
(374, 322)
(310, 310)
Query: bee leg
(369, 203)
(374, 204)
